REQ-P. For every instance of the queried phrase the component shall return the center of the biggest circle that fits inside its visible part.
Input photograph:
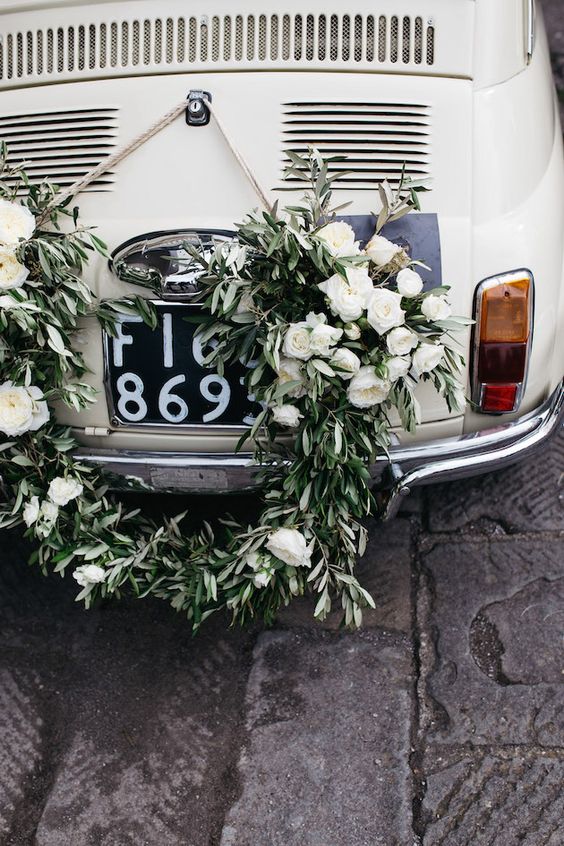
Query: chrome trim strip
(530, 29)
(513, 442)
(442, 460)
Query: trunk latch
(197, 113)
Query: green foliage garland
(332, 347)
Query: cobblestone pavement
(440, 724)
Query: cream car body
(79, 79)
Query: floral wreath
(338, 337)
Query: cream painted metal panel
(519, 209)
(186, 177)
(77, 41)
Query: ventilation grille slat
(62, 146)
(113, 48)
(378, 139)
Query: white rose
(323, 337)
(62, 490)
(398, 367)
(409, 283)
(347, 363)
(290, 546)
(367, 389)
(345, 301)
(352, 331)
(16, 222)
(384, 310)
(360, 283)
(286, 415)
(12, 273)
(289, 371)
(435, 308)
(297, 341)
(21, 409)
(49, 511)
(31, 511)
(339, 238)
(380, 250)
(401, 341)
(426, 357)
(89, 574)
(262, 578)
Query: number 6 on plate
(166, 399)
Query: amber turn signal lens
(505, 312)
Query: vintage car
(460, 91)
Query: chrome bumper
(408, 467)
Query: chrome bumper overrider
(408, 467)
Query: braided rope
(111, 161)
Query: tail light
(502, 341)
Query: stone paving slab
(385, 571)
(117, 727)
(496, 621)
(326, 757)
(510, 797)
(526, 497)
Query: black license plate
(157, 377)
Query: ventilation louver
(62, 146)
(115, 48)
(378, 139)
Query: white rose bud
(409, 283)
(254, 560)
(401, 341)
(89, 574)
(286, 415)
(49, 511)
(21, 409)
(297, 341)
(290, 546)
(16, 222)
(262, 578)
(13, 274)
(398, 367)
(366, 389)
(435, 308)
(381, 251)
(323, 337)
(384, 310)
(313, 319)
(31, 511)
(62, 491)
(339, 238)
(352, 331)
(346, 363)
(426, 357)
(289, 371)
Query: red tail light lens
(502, 339)
(499, 398)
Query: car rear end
(459, 91)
